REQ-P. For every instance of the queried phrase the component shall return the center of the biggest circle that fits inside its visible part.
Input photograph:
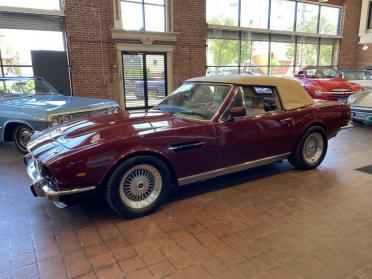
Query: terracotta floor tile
(161, 269)
(268, 222)
(102, 260)
(132, 264)
(143, 273)
(112, 272)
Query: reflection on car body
(210, 126)
(31, 104)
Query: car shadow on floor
(97, 206)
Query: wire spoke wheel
(313, 148)
(140, 186)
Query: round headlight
(66, 118)
(54, 121)
(352, 99)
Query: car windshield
(28, 87)
(195, 100)
(322, 73)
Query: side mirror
(236, 112)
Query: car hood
(366, 84)
(55, 104)
(333, 84)
(106, 129)
(361, 100)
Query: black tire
(298, 158)
(357, 122)
(21, 136)
(121, 192)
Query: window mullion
(143, 15)
(318, 23)
(1, 64)
(269, 18)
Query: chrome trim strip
(356, 108)
(54, 195)
(338, 92)
(186, 146)
(104, 106)
(223, 171)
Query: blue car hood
(59, 103)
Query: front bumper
(361, 114)
(42, 187)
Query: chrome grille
(88, 114)
(342, 91)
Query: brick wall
(93, 55)
(189, 58)
(350, 41)
(91, 50)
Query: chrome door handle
(285, 120)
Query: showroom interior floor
(270, 222)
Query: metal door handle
(286, 120)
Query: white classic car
(361, 107)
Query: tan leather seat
(254, 105)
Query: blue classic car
(29, 104)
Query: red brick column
(91, 50)
(189, 58)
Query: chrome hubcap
(24, 136)
(140, 186)
(313, 148)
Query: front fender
(34, 125)
(92, 165)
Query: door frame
(153, 49)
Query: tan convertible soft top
(292, 94)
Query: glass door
(145, 79)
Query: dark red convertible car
(210, 126)
(326, 83)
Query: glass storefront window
(223, 52)
(223, 12)
(260, 51)
(307, 18)
(16, 54)
(329, 20)
(282, 15)
(15, 51)
(34, 4)
(326, 55)
(306, 55)
(254, 14)
(282, 58)
(148, 15)
(252, 51)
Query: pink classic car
(326, 83)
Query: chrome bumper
(361, 114)
(41, 187)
